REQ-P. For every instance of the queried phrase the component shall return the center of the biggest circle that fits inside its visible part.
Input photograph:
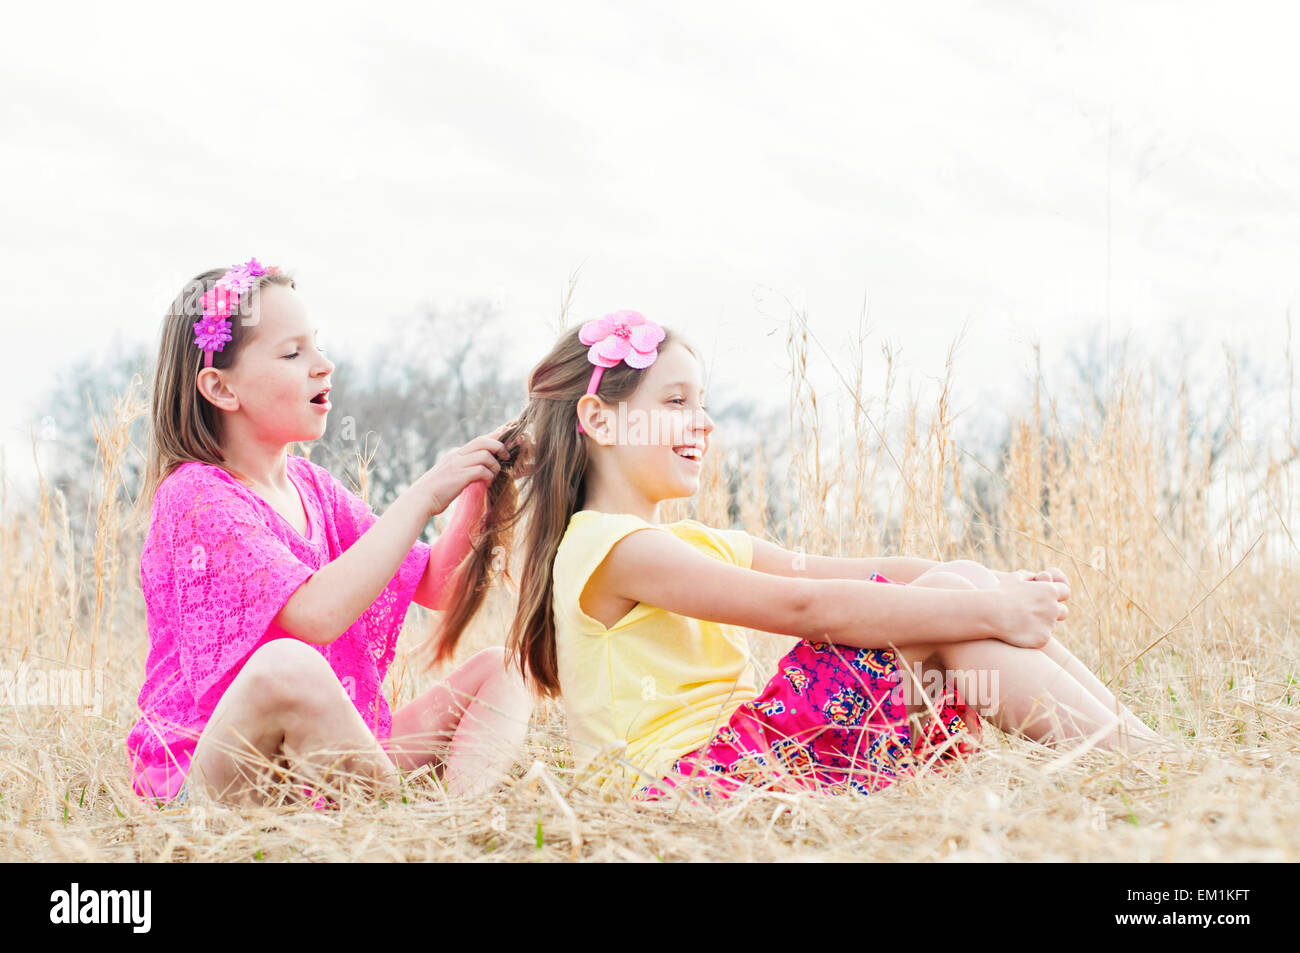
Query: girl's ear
(594, 417)
(213, 387)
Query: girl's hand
(1045, 575)
(1030, 608)
(525, 455)
(1054, 575)
(480, 459)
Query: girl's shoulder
(325, 482)
(595, 524)
(586, 518)
(303, 465)
(198, 482)
(585, 525)
(590, 530)
(196, 474)
(189, 477)
(194, 485)
(733, 545)
(590, 534)
(191, 497)
(587, 540)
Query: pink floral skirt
(833, 719)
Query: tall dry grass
(1182, 584)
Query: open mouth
(689, 452)
(321, 400)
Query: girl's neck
(604, 497)
(260, 464)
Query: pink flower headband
(619, 336)
(212, 331)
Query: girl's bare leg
(1036, 696)
(983, 579)
(1067, 660)
(472, 724)
(286, 708)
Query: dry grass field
(1182, 575)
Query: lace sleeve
(232, 575)
(352, 515)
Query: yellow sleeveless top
(655, 685)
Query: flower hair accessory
(212, 331)
(619, 336)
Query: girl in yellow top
(636, 624)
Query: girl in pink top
(274, 596)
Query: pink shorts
(832, 719)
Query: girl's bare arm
(322, 608)
(774, 560)
(451, 546)
(660, 570)
(771, 558)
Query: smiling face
(653, 444)
(279, 376)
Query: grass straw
(1180, 553)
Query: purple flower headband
(619, 336)
(212, 331)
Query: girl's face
(280, 374)
(658, 437)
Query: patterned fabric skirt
(833, 719)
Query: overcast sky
(1023, 169)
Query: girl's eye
(289, 357)
(676, 400)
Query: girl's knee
(284, 657)
(486, 663)
(968, 569)
(941, 578)
(478, 670)
(506, 681)
(286, 674)
(493, 656)
(501, 669)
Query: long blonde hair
(183, 425)
(551, 493)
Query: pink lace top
(218, 565)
